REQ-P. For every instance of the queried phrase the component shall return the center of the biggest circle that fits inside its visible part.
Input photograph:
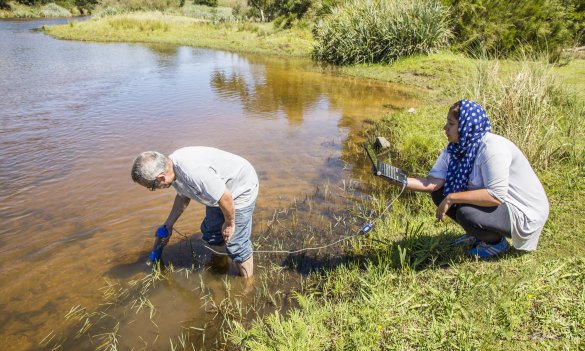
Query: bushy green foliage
(54, 10)
(213, 14)
(268, 10)
(210, 3)
(381, 31)
(321, 8)
(85, 4)
(499, 28)
(4, 4)
(576, 19)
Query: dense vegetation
(499, 29)
(381, 31)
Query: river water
(73, 115)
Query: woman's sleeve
(495, 171)
(441, 166)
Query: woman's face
(451, 127)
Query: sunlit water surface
(74, 115)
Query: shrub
(267, 10)
(499, 29)
(210, 3)
(576, 19)
(215, 14)
(54, 10)
(374, 31)
(322, 8)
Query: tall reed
(381, 31)
(532, 108)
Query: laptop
(384, 170)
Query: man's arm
(180, 204)
(227, 207)
(427, 185)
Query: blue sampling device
(156, 253)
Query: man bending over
(225, 183)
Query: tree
(265, 7)
(495, 27)
(270, 9)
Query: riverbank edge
(435, 74)
(18, 11)
(161, 28)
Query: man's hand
(165, 239)
(227, 230)
(226, 205)
(443, 207)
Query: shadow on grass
(415, 252)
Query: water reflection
(279, 88)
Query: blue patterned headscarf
(473, 125)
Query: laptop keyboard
(390, 172)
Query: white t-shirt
(203, 173)
(502, 169)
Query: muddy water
(74, 115)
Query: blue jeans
(239, 248)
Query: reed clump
(530, 106)
(54, 10)
(138, 24)
(381, 31)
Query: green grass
(154, 27)
(573, 75)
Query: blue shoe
(465, 241)
(483, 250)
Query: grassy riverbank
(154, 27)
(401, 287)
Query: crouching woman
(485, 183)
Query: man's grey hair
(147, 166)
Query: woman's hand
(444, 206)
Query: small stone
(411, 110)
(381, 143)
